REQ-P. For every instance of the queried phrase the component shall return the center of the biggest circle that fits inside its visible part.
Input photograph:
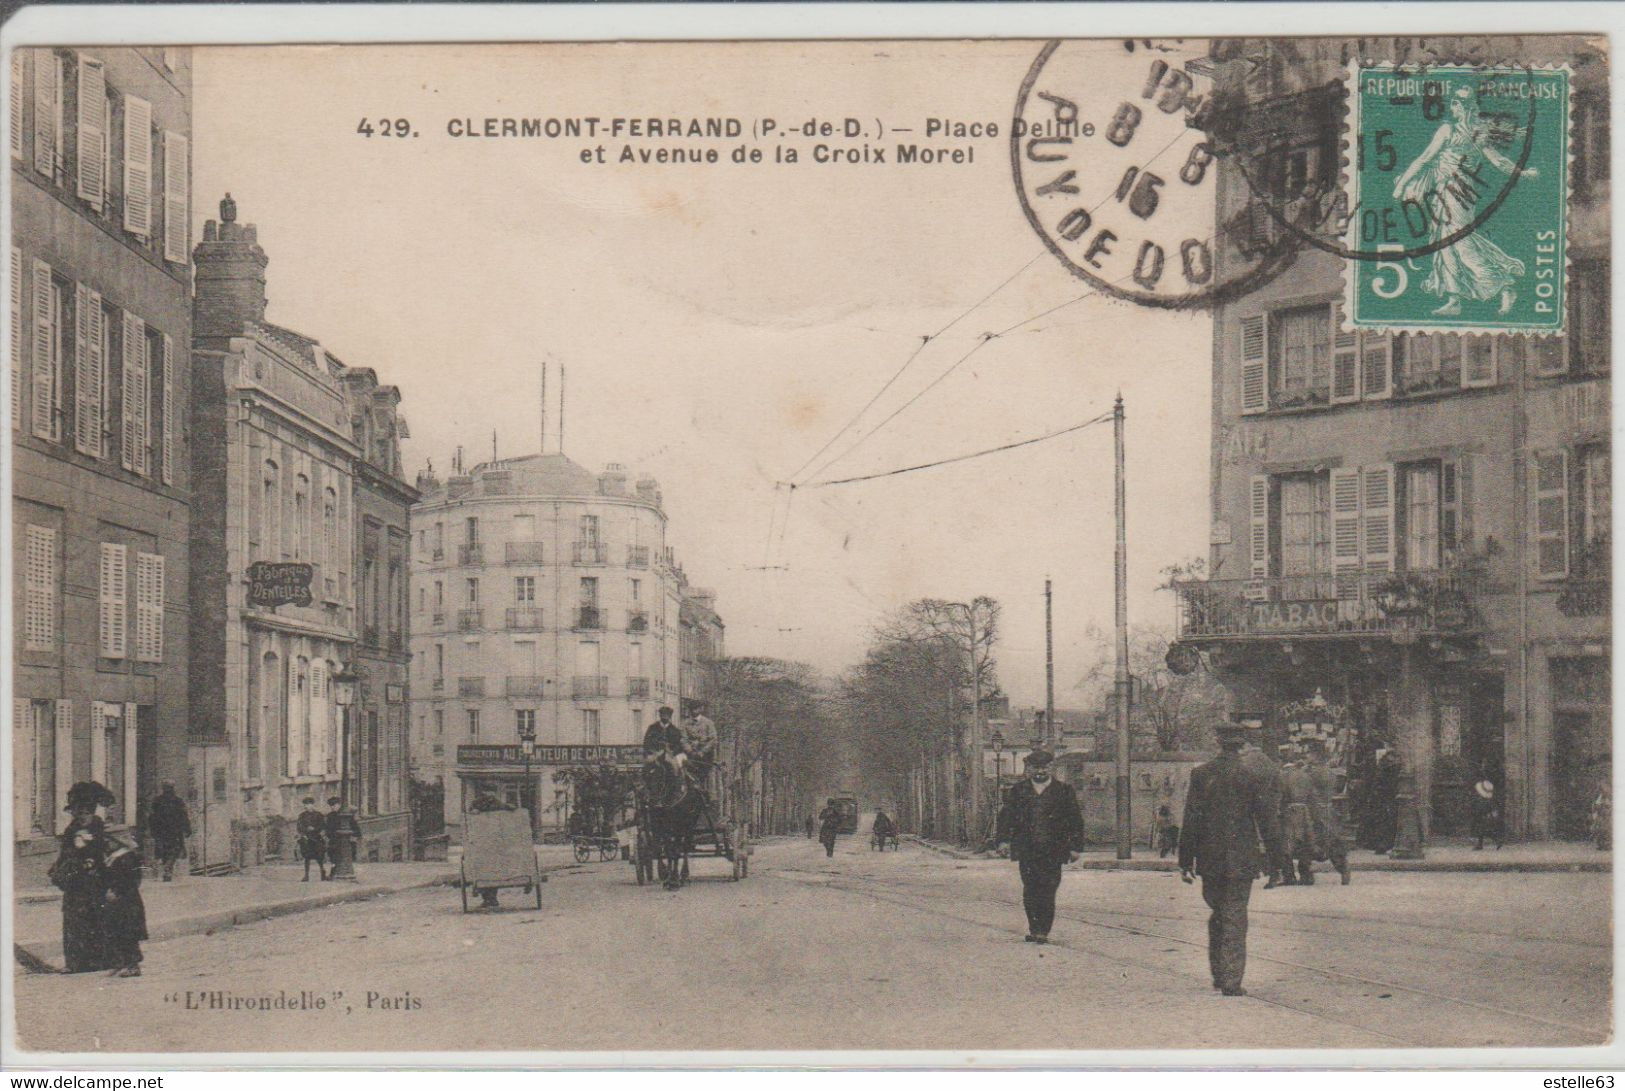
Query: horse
(674, 806)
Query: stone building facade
(297, 464)
(1410, 533)
(100, 326)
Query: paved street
(906, 950)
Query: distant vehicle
(847, 805)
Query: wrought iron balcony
(524, 552)
(438, 617)
(525, 618)
(437, 684)
(437, 554)
(470, 618)
(589, 685)
(1350, 604)
(525, 685)
(471, 553)
(637, 687)
(637, 621)
(470, 687)
(637, 556)
(588, 553)
(589, 617)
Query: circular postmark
(1118, 177)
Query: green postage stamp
(1459, 198)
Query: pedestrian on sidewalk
(1385, 801)
(80, 872)
(1486, 813)
(1046, 833)
(171, 826)
(1229, 810)
(1167, 832)
(124, 916)
(1329, 837)
(810, 825)
(1297, 821)
(312, 831)
(1264, 767)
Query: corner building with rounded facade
(544, 599)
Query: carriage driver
(663, 741)
(700, 743)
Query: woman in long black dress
(125, 914)
(80, 871)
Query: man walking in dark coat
(171, 826)
(1229, 810)
(1046, 833)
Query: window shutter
(177, 197)
(1255, 363)
(1550, 355)
(98, 741)
(1478, 361)
(1376, 365)
(1345, 490)
(16, 362)
(1345, 359)
(112, 598)
(290, 710)
(132, 717)
(1377, 517)
(149, 607)
(166, 452)
(91, 142)
(1551, 514)
(63, 752)
(1258, 526)
(45, 111)
(44, 371)
(137, 166)
(89, 369)
(23, 748)
(17, 82)
(135, 393)
(39, 621)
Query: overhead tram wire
(927, 339)
(1104, 417)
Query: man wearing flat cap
(1229, 810)
(1046, 832)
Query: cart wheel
(583, 852)
(462, 885)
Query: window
(1421, 509)
(439, 663)
(1551, 471)
(1591, 148)
(589, 726)
(524, 721)
(330, 527)
(472, 584)
(589, 530)
(473, 724)
(589, 591)
(1301, 369)
(91, 135)
(1588, 324)
(439, 540)
(46, 401)
(637, 591)
(270, 508)
(89, 372)
(1597, 509)
(40, 578)
(138, 166)
(524, 590)
(1305, 525)
(439, 595)
(300, 531)
(471, 529)
(423, 599)
(1424, 363)
(524, 528)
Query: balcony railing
(437, 684)
(589, 685)
(637, 687)
(438, 617)
(530, 552)
(637, 556)
(470, 687)
(637, 621)
(1352, 604)
(470, 618)
(588, 552)
(369, 636)
(525, 685)
(471, 553)
(525, 618)
(437, 554)
(589, 617)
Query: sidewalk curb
(46, 957)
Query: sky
(719, 323)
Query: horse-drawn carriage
(678, 820)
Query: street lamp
(343, 834)
(527, 746)
(997, 742)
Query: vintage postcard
(970, 550)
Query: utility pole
(1049, 670)
(1125, 814)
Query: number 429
(384, 126)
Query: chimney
(229, 277)
(612, 482)
(649, 490)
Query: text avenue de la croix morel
(670, 141)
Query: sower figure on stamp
(1046, 833)
(171, 826)
(1229, 810)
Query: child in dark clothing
(125, 915)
